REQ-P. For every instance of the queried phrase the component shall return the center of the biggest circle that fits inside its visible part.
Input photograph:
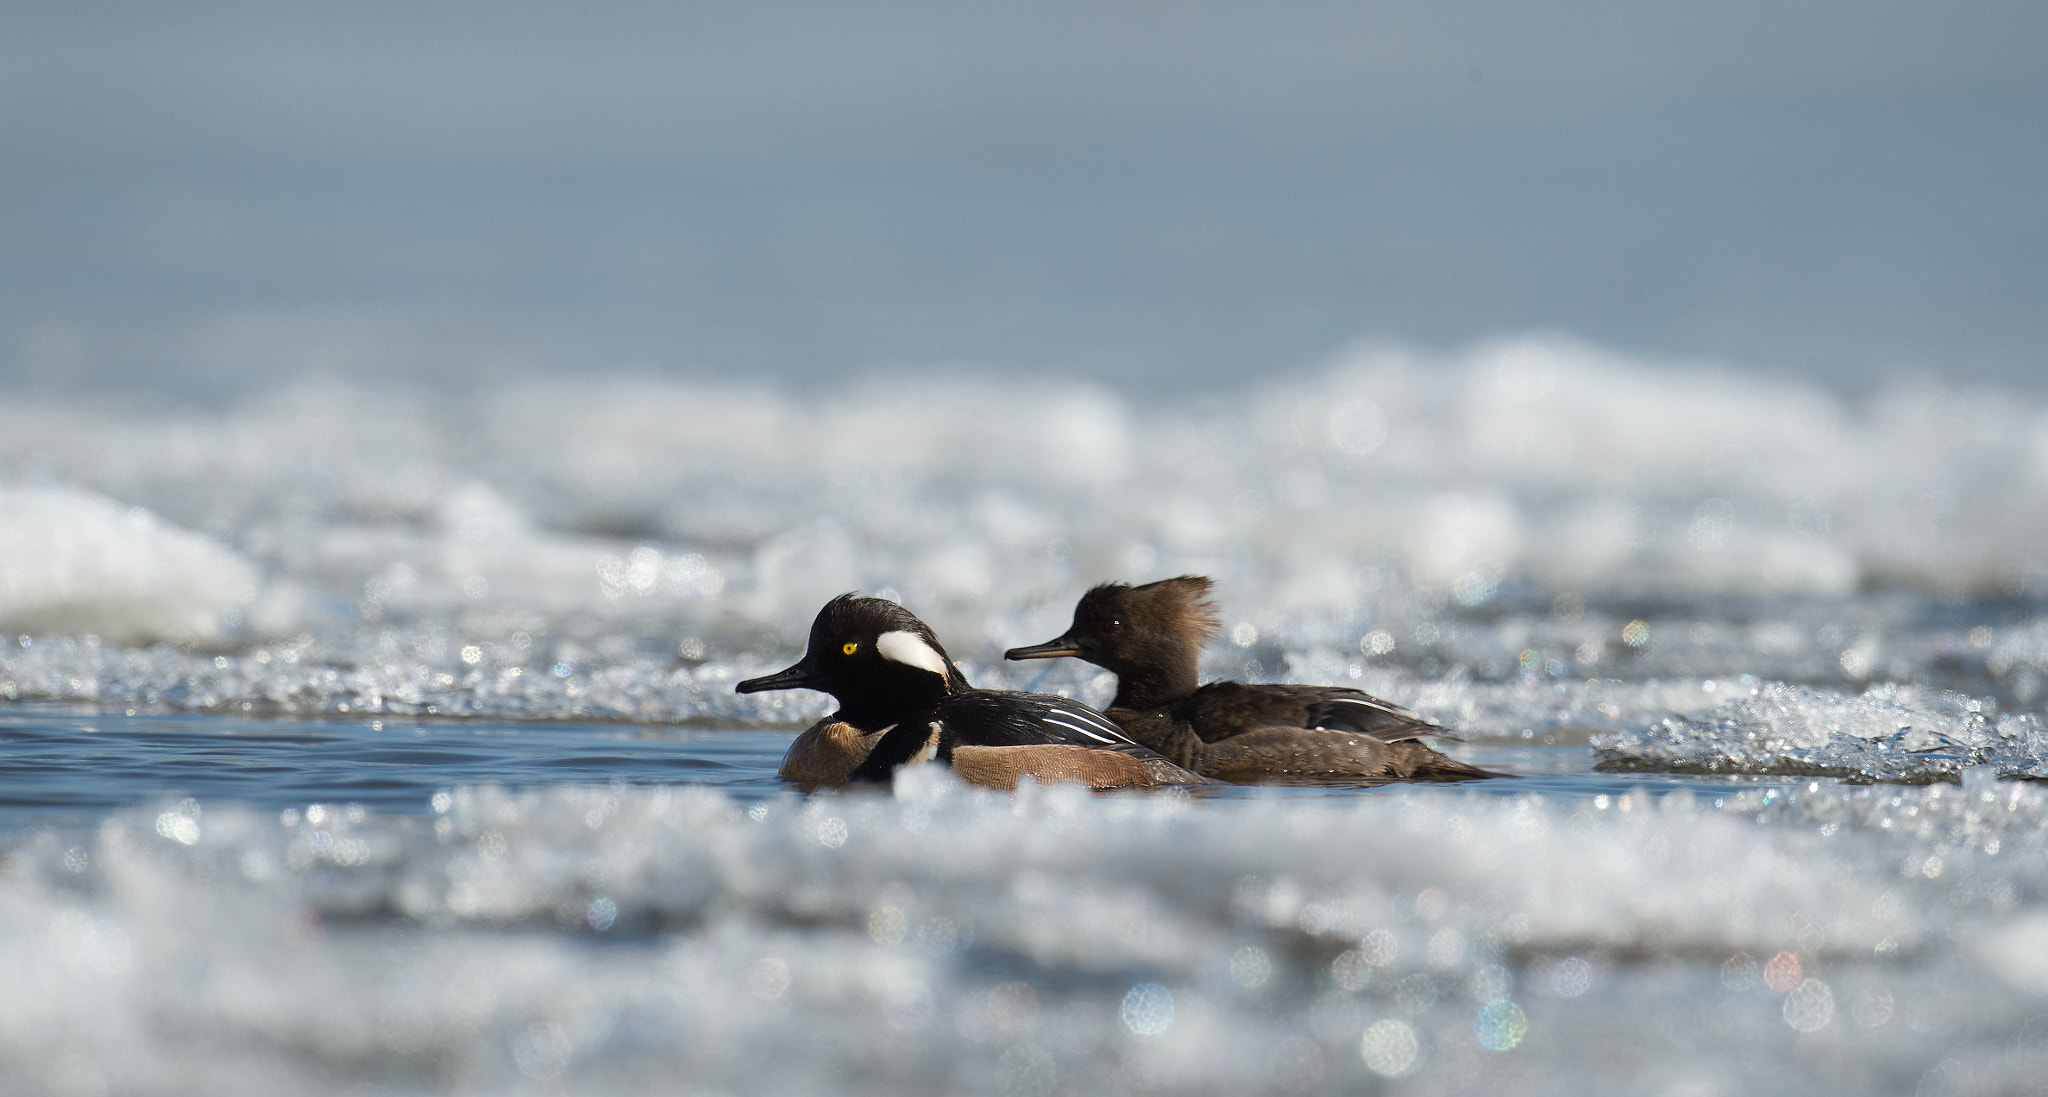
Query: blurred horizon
(224, 196)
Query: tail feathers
(1419, 763)
(1350, 710)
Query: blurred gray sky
(200, 194)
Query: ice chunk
(1461, 940)
(76, 563)
(1889, 733)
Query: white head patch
(910, 649)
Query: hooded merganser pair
(903, 702)
(1151, 637)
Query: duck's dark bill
(796, 677)
(1051, 649)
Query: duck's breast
(825, 755)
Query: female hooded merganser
(1151, 636)
(902, 701)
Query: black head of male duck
(1152, 636)
(902, 701)
(878, 659)
(881, 663)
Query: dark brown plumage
(1151, 636)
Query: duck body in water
(1151, 637)
(902, 701)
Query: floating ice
(76, 563)
(1889, 733)
(1385, 486)
(949, 940)
(1527, 534)
(1531, 541)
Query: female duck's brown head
(876, 657)
(1143, 631)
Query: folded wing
(1222, 709)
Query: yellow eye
(850, 648)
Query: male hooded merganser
(1151, 636)
(902, 701)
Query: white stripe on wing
(1376, 706)
(1096, 727)
(1082, 728)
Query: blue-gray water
(215, 196)
(68, 768)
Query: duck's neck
(892, 701)
(1156, 686)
